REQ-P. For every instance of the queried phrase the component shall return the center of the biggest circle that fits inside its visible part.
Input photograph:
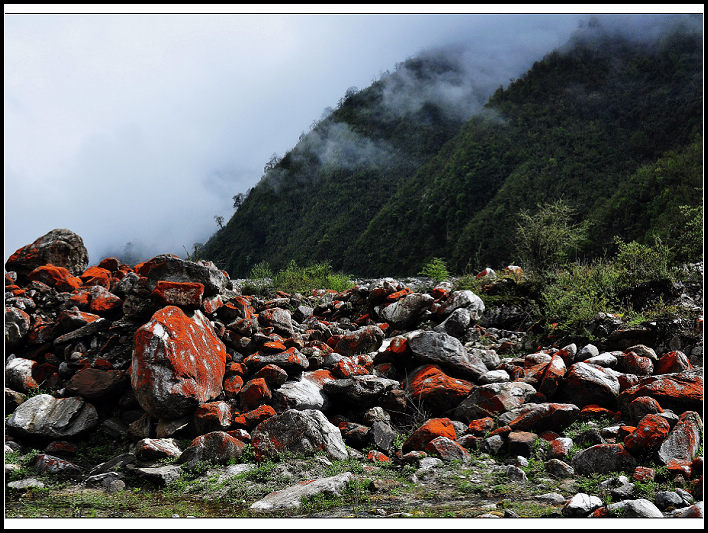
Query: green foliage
(306, 279)
(547, 238)
(260, 271)
(435, 269)
(689, 241)
(638, 263)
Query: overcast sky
(141, 128)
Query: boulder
(640, 508)
(433, 428)
(168, 267)
(540, 416)
(581, 505)
(292, 497)
(59, 247)
(19, 374)
(407, 310)
(305, 393)
(300, 432)
(602, 459)
(178, 363)
(97, 384)
(362, 391)
(48, 417)
(363, 340)
(683, 442)
(493, 399)
(651, 431)
(155, 449)
(440, 348)
(217, 447)
(447, 449)
(589, 384)
(678, 392)
(17, 325)
(430, 386)
(56, 277)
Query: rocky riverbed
(161, 389)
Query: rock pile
(169, 348)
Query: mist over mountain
(438, 158)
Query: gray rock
(363, 391)
(46, 416)
(24, 484)
(581, 505)
(170, 268)
(18, 374)
(456, 324)
(552, 498)
(292, 497)
(493, 399)
(17, 325)
(684, 440)
(540, 416)
(589, 384)
(151, 449)
(161, 475)
(602, 459)
(666, 499)
(559, 468)
(381, 436)
(447, 351)
(694, 511)
(106, 481)
(376, 414)
(468, 300)
(495, 376)
(60, 247)
(49, 464)
(306, 393)
(216, 447)
(515, 473)
(605, 359)
(114, 464)
(492, 444)
(586, 352)
(405, 311)
(306, 432)
(641, 508)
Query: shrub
(435, 269)
(306, 279)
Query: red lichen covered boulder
(651, 431)
(435, 427)
(672, 362)
(212, 416)
(96, 384)
(363, 340)
(103, 301)
(377, 457)
(254, 393)
(54, 276)
(678, 392)
(96, 276)
(232, 386)
(430, 385)
(480, 426)
(183, 294)
(447, 449)
(59, 247)
(217, 447)
(178, 363)
(684, 440)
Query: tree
(220, 221)
(238, 200)
(547, 238)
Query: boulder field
(171, 350)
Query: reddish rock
(232, 386)
(587, 384)
(447, 449)
(377, 457)
(541, 416)
(178, 363)
(183, 294)
(643, 474)
(254, 393)
(435, 427)
(480, 426)
(678, 392)
(72, 319)
(291, 360)
(48, 464)
(112, 264)
(560, 448)
(552, 377)
(211, 305)
(155, 449)
(217, 447)
(212, 416)
(104, 302)
(363, 340)
(273, 375)
(595, 411)
(651, 431)
(672, 362)
(346, 368)
(62, 448)
(521, 443)
(642, 406)
(96, 276)
(355, 435)
(57, 277)
(97, 384)
(252, 418)
(430, 385)
(631, 363)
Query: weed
(435, 269)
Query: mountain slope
(379, 189)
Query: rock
(49, 464)
(551, 498)
(381, 436)
(19, 374)
(456, 324)
(153, 449)
(59, 247)
(560, 448)
(306, 431)
(559, 468)
(430, 386)
(492, 445)
(217, 447)
(468, 300)
(581, 505)
(493, 399)
(182, 294)
(672, 362)
(640, 508)
(178, 363)
(254, 393)
(433, 428)
(440, 348)
(521, 443)
(447, 449)
(631, 363)
(407, 310)
(278, 319)
(362, 391)
(25, 484)
(586, 352)
(666, 500)
(515, 474)
(304, 394)
(602, 459)
(642, 406)
(651, 431)
(12, 400)
(96, 384)
(678, 392)
(495, 376)
(694, 511)
(212, 416)
(684, 440)
(290, 360)
(589, 384)
(292, 497)
(540, 416)
(56, 277)
(364, 340)
(48, 417)
(171, 268)
(17, 325)
(161, 475)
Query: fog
(140, 128)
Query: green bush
(638, 263)
(435, 269)
(306, 279)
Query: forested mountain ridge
(611, 125)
